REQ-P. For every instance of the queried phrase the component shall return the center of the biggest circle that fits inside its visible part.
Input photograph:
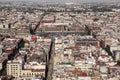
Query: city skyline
(59, 40)
(67, 1)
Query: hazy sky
(65, 1)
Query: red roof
(84, 74)
(9, 51)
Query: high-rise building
(17, 68)
(14, 68)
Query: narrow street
(50, 62)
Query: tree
(118, 62)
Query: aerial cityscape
(59, 40)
